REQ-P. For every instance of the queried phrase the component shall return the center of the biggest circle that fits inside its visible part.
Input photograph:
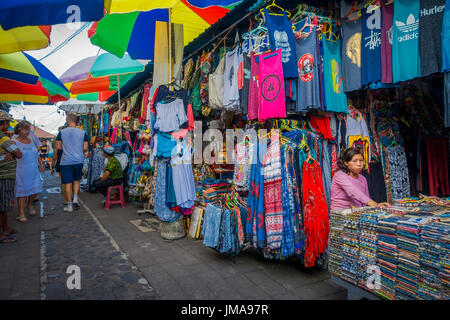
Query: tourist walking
(74, 143)
(9, 152)
(28, 179)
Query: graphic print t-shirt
(405, 40)
(308, 83)
(386, 43)
(371, 45)
(431, 15)
(446, 38)
(282, 37)
(335, 97)
(351, 48)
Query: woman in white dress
(28, 179)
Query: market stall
(299, 84)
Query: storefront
(302, 84)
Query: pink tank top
(271, 86)
(253, 91)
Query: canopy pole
(170, 48)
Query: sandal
(11, 231)
(21, 219)
(7, 240)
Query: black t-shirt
(44, 149)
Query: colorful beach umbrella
(130, 26)
(24, 38)
(19, 13)
(102, 73)
(21, 67)
(11, 90)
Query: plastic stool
(108, 196)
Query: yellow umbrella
(24, 38)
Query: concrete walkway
(119, 261)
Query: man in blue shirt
(74, 143)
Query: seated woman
(349, 187)
(112, 173)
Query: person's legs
(77, 175)
(30, 204)
(67, 177)
(21, 204)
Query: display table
(354, 292)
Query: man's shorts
(71, 173)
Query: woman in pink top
(349, 187)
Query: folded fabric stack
(430, 267)
(336, 243)
(209, 195)
(445, 261)
(350, 250)
(367, 247)
(387, 256)
(408, 232)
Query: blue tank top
(335, 97)
(281, 36)
(371, 46)
(405, 40)
(446, 38)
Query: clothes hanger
(274, 5)
(352, 10)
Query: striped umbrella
(24, 38)
(100, 73)
(130, 26)
(21, 67)
(11, 90)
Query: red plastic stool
(108, 195)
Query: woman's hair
(21, 125)
(347, 156)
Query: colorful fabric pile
(350, 250)
(430, 267)
(387, 256)
(408, 257)
(337, 219)
(367, 246)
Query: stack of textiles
(430, 267)
(445, 261)
(336, 243)
(387, 256)
(367, 245)
(209, 195)
(408, 232)
(219, 186)
(350, 250)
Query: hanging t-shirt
(371, 45)
(231, 90)
(405, 40)
(446, 38)
(334, 82)
(282, 37)
(308, 84)
(351, 49)
(431, 16)
(447, 99)
(246, 85)
(271, 88)
(254, 97)
(386, 43)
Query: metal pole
(170, 47)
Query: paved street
(119, 261)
